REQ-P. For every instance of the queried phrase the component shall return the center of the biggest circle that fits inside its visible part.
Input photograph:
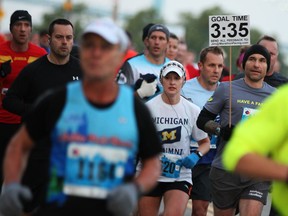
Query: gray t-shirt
(245, 101)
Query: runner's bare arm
(17, 155)
(149, 174)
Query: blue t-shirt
(198, 95)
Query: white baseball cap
(172, 66)
(107, 29)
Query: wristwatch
(217, 131)
(200, 155)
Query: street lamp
(68, 6)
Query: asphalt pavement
(188, 211)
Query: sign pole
(230, 86)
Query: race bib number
(92, 171)
(171, 165)
(248, 112)
(213, 141)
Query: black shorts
(162, 187)
(228, 188)
(201, 183)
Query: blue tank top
(93, 149)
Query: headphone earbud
(183, 83)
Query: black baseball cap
(145, 30)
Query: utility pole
(115, 11)
(67, 6)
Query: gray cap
(159, 27)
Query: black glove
(226, 132)
(149, 78)
(5, 68)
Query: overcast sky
(268, 16)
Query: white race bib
(93, 170)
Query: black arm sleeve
(41, 119)
(149, 143)
(14, 98)
(125, 75)
(204, 117)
